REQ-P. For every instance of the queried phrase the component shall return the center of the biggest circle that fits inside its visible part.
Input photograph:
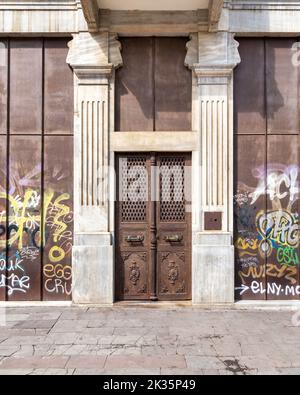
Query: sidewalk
(141, 340)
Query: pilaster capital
(213, 75)
(94, 56)
(96, 75)
(192, 54)
(218, 56)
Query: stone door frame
(94, 57)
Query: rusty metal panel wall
(267, 174)
(3, 215)
(26, 86)
(153, 87)
(3, 85)
(135, 86)
(282, 218)
(24, 225)
(282, 87)
(36, 173)
(58, 88)
(58, 217)
(173, 83)
(250, 165)
(249, 88)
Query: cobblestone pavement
(143, 340)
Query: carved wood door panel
(173, 228)
(132, 248)
(153, 227)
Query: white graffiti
(248, 262)
(34, 200)
(281, 182)
(11, 265)
(29, 253)
(296, 55)
(269, 289)
(58, 286)
(14, 283)
(242, 198)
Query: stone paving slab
(143, 340)
(148, 362)
(34, 362)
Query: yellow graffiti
(280, 226)
(19, 217)
(56, 254)
(30, 227)
(244, 245)
(58, 271)
(270, 270)
(48, 196)
(64, 210)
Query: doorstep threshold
(288, 305)
(4, 304)
(153, 305)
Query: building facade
(149, 151)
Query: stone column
(213, 251)
(93, 58)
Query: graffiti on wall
(267, 233)
(35, 237)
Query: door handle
(174, 238)
(134, 239)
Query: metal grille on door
(153, 259)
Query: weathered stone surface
(170, 340)
(86, 362)
(34, 363)
(148, 362)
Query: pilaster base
(93, 269)
(213, 269)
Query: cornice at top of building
(270, 5)
(40, 5)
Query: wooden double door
(153, 227)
